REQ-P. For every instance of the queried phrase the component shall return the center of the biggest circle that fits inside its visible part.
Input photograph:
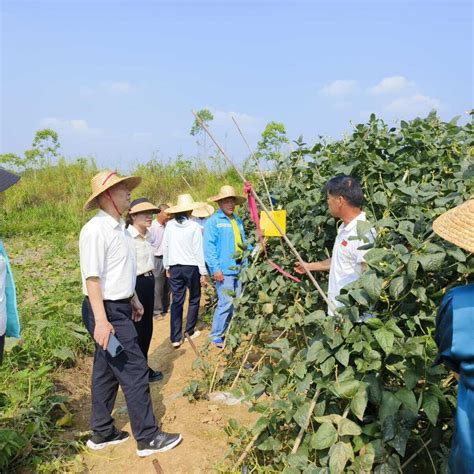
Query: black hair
(180, 217)
(346, 186)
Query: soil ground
(200, 423)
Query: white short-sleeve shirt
(346, 259)
(107, 251)
(144, 250)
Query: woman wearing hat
(9, 320)
(200, 214)
(183, 258)
(455, 334)
(139, 219)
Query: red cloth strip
(253, 209)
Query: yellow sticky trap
(269, 229)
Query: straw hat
(225, 192)
(142, 205)
(204, 210)
(7, 179)
(457, 225)
(184, 203)
(105, 180)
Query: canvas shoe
(162, 442)
(218, 342)
(195, 334)
(154, 375)
(176, 344)
(97, 441)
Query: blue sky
(118, 79)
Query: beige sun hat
(225, 192)
(204, 210)
(142, 205)
(105, 180)
(457, 225)
(184, 203)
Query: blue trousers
(184, 277)
(129, 370)
(226, 291)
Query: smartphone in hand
(114, 348)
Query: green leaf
(407, 397)
(327, 366)
(412, 267)
(66, 420)
(325, 437)
(374, 323)
(432, 262)
(389, 406)
(385, 339)
(340, 453)
(332, 418)
(301, 414)
(346, 389)
(342, 355)
(313, 351)
(278, 381)
(397, 285)
(270, 444)
(359, 402)
(348, 428)
(430, 406)
(380, 198)
(391, 325)
(300, 369)
(267, 308)
(64, 353)
(372, 285)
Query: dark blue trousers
(145, 290)
(184, 277)
(129, 370)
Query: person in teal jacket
(9, 320)
(454, 336)
(223, 238)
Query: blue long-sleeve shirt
(219, 243)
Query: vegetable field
(331, 392)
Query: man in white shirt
(162, 288)
(344, 198)
(108, 270)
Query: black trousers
(184, 277)
(129, 370)
(162, 287)
(145, 289)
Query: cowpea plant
(381, 404)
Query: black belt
(158, 256)
(146, 274)
(122, 301)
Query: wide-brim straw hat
(142, 205)
(204, 210)
(457, 225)
(7, 179)
(184, 203)
(227, 191)
(105, 180)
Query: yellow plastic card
(268, 228)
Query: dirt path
(201, 423)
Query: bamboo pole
(257, 161)
(299, 438)
(331, 305)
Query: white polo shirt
(346, 259)
(107, 251)
(157, 232)
(144, 250)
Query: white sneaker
(176, 344)
(195, 334)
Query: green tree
(45, 148)
(273, 138)
(205, 116)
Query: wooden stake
(244, 360)
(330, 304)
(188, 337)
(246, 450)
(157, 466)
(299, 438)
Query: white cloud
(248, 123)
(391, 84)
(341, 87)
(74, 126)
(416, 104)
(119, 87)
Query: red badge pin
(344, 242)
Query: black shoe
(161, 443)
(154, 375)
(99, 442)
